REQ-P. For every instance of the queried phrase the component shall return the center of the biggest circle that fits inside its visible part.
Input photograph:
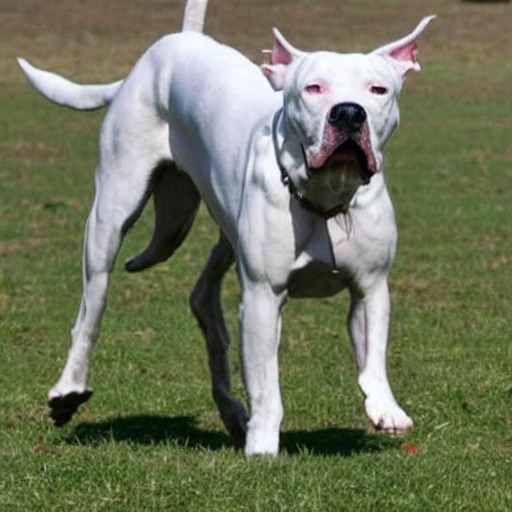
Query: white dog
(294, 180)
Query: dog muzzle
(346, 142)
(344, 163)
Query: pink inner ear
(407, 53)
(279, 54)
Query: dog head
(338, 112)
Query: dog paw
(262, 442)
(262, 435)
(235, 419)
(389, 418)
(63, 407)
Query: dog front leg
(260, 335)
(368, 325)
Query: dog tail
(195, 10)
(69, 94)
(63, 92)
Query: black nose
(348, 117)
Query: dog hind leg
(115, 208)
(205, 302)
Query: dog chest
(342, 252)
(315, 280)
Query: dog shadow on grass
(184, 431)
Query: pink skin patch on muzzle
(340, 146)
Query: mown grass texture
(150, 438)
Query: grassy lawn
(150, 438)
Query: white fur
(194, 16)
(207, 109)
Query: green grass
(150, 438)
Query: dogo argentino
(288, 159)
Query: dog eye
(314, 89)
(378, 89)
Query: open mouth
(347, 154)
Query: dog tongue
(344, 156)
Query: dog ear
(404, 52)
(277, 60)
